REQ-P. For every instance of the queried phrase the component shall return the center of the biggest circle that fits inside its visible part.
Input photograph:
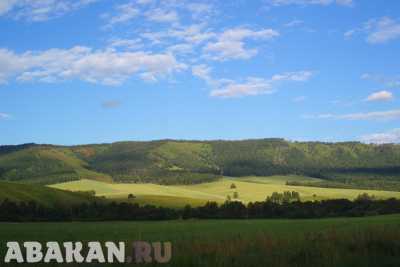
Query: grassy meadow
(372, 241)
(248, 188)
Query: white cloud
(194, 34)
(180, 49)
(161, 15)
(203, 72)
(350, 33)
(380, 96)
(310, 2)
(123, 14)
(144, 2)
(108, 67)
(294, 23)
(200, 10)
(382, 30)
(255, 86)
(34, 10)
(252, 86)
(390, 137)
(299, 76)
(378, 31)
(231, 43)
(378, 115)
(130, 44)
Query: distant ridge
(186, 162)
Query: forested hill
(174, 162)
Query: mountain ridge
(171, 161)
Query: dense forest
(278, 205)
(349, 164)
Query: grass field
(248, 188)
(42, 195)
(372, 241)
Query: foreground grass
(248, 188)
(372, 241)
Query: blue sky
(93, 71)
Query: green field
(248, 188)
(48, 197)
(372, 241)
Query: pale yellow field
(249, 189)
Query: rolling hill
(171, 162)
(42, 195)
(249, 189)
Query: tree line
(276, 206)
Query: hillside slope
(190, 162)
(41, 195)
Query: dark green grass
(372, 241)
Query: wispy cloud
(122, 14)
(162, 15)
(299, 99)
(129, 44)
(377, 31)
(294, 23)
(252, 86)
(40, 10)
(310, 2)
(377, 115)
(389, 81)
(389, 137)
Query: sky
(97, 71)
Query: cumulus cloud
(377, 115)
(310, 2)
(380, 96)
(389, 137)
(230, 44)
(107, 67)
(34, 10)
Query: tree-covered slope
(187, 162)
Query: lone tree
(131, 196)
(233, 186)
